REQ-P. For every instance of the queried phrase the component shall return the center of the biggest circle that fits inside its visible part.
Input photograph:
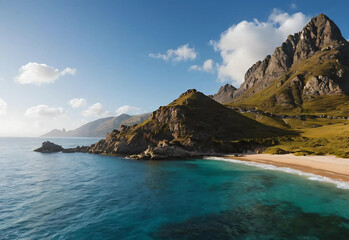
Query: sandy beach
(327, 166)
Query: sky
(64, 63)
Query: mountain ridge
(308, 67)
(99, 127)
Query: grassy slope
(317, 137)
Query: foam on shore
(310, 176)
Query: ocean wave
(310, 176)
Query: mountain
(99, 127)
(192, 124)
(308, 71)
(137, 119)
(56, 133)
(224, 94)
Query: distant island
(295, 101)
(99, 127)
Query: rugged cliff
(309, 65)
(192, 125)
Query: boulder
(49, 147)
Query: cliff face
(313, 62)
(319, 34)
(192, 124)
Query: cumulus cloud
(44, 111)
(245, 43)
(182, 53)
(126, 109)
(3, 107)
(77, 102)
(68, 70)
(39, 73)
(207, 66)
(96, 110)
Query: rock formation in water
(49, 147)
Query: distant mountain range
(99, 127)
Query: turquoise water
(85, 196)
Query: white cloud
(182, 53)
(293, 6)
(96, 110)
(68, 70)
(3, 107)
(207, 66)
(44, 111)
(36, 73)
(127, 109)
(245, 43)
(77, 102)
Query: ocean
(87, 196)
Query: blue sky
(107, 47)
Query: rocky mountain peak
(323, 29)
(224, 94)
(188, 92)
(320, 34)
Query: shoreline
(321, 168)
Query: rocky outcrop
(320, 34)
(166, 152)
(193, 125)
(49, 147)
(321, 85)
(225, 94)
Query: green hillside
(284, 97)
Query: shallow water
(86, 196)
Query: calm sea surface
(85, 196)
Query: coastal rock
(192, 125)
(165, 152)
(49, 147)
(76, 149)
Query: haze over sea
(85, 196)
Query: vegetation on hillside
(319, 136)
(283, 96)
